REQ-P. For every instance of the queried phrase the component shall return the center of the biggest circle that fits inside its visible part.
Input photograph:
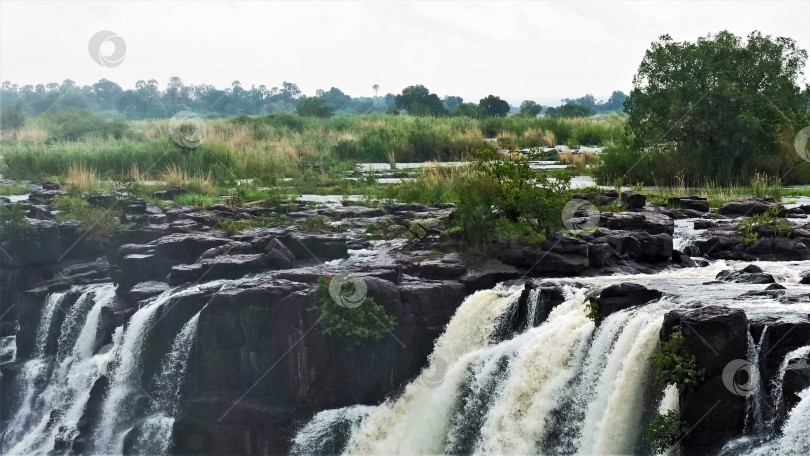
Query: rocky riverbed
(259, 365)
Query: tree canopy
(493, 106)
(721, 106)
(419, 101)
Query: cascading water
(62, 385)
(754, 420)
(563, 387)
(54, 387)
(155, 432)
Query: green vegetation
(594, 312)
(314, 107)
(675, 364)
(235, 226)
(312, 151)
(694, 115)
(12, 118)
(101, 222)
(749, 227)
(14, 189)
(505, 200)
(315, 222)
(14, 227)
(354, 325)
(665, 430)
(759, 186)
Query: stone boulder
(633, 200)
(749, 274)
(749, 206)
(625, 295)
(695, 203)
(647, 221)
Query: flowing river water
(560, 386)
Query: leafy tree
(451, 102)
(615, 102)
(530, 109)
(314, 107)
(588, 101)
(569, 111)
(12, 118)
(493, 106)
(719, 107)
(505, 198)
(418, 100)
(466, 110)
(375, 88)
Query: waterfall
(777, 384)
(328, 431)
(563, 387)
(52, 303)
(116, 410)
(60, 398)
(418, 420)
(753, 402)
(795, 439)
(156, 430)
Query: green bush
(14, 226)
(675, 364)
(504, 199)
(101, 222)
(12, 118)
(747, 228)
(665, 430)
(355, 326)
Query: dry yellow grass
(549, 139)
(176, 177)
(507, 139)
(81, 179)
(579, 161)
(29, 133)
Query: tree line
(148, 101)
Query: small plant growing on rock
(675, 364)
(749, 226)
(593, 311)
(665, 430)
(368, 321)
(14, 227)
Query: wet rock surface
(260, 364)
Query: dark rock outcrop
(749, 274)
(748, 207)
(717, 337)
(625, 295)
(695, 203)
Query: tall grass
(279, 145)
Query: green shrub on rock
(354, 324)
(675, 364)
(665, 430)
(14, 227)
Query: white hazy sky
(521, 50)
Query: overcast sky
(523, 50)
